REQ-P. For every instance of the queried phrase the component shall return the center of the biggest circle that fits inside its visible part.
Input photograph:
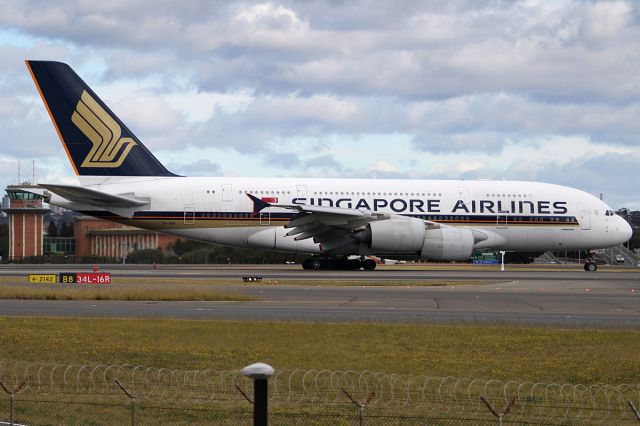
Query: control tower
(26, 225)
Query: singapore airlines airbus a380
(331, 219)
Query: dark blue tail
(96, 141)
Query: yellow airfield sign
(43, 278)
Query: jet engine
(407, 235)
(448, 243)
(395, 235)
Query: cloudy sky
(531, 90)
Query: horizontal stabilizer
(79, 194)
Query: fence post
(360, 405)
(11, 394)
(505, 410)
(260, 374)
(133, 401)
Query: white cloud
(382, 166)
(270, 17)
(605, 20)
(201, 106)
(396, 88)
(458, 168)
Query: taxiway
(523, 296)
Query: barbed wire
(384, 391)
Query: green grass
(537, 354)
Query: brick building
(93, 237)
(26, 224)
(96, 237)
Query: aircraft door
(502, 215)
(227, 192)
(189, 215)
(502, 220)
(463, 194)
(301, 191)
(585, 219)
(265, 217)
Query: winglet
(258, 204)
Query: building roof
(129, 230)
(25, 210)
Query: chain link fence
(52, 394)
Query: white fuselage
(521, 216)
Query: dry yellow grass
(174, 289)
(176, 293)
(186, 281)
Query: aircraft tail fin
(96, 141)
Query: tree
(52, 229)
(183, 246)
(4, 241)
(66, 230)
(634, 243)
(146, 256)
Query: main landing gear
(345, 264)
(590, 266)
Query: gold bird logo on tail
(109, 149)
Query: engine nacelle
(447, 243)
(408, 235)
(395, 235)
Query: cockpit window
(609, 213)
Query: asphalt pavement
(556, 297)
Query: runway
(556, 298)
(295, 272)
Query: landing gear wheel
(591, 266)
(316, 264)
(337, 264)
(368, 265)
(313, 264)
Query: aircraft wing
(79, 194)
(332, 227)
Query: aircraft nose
(625, 229)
